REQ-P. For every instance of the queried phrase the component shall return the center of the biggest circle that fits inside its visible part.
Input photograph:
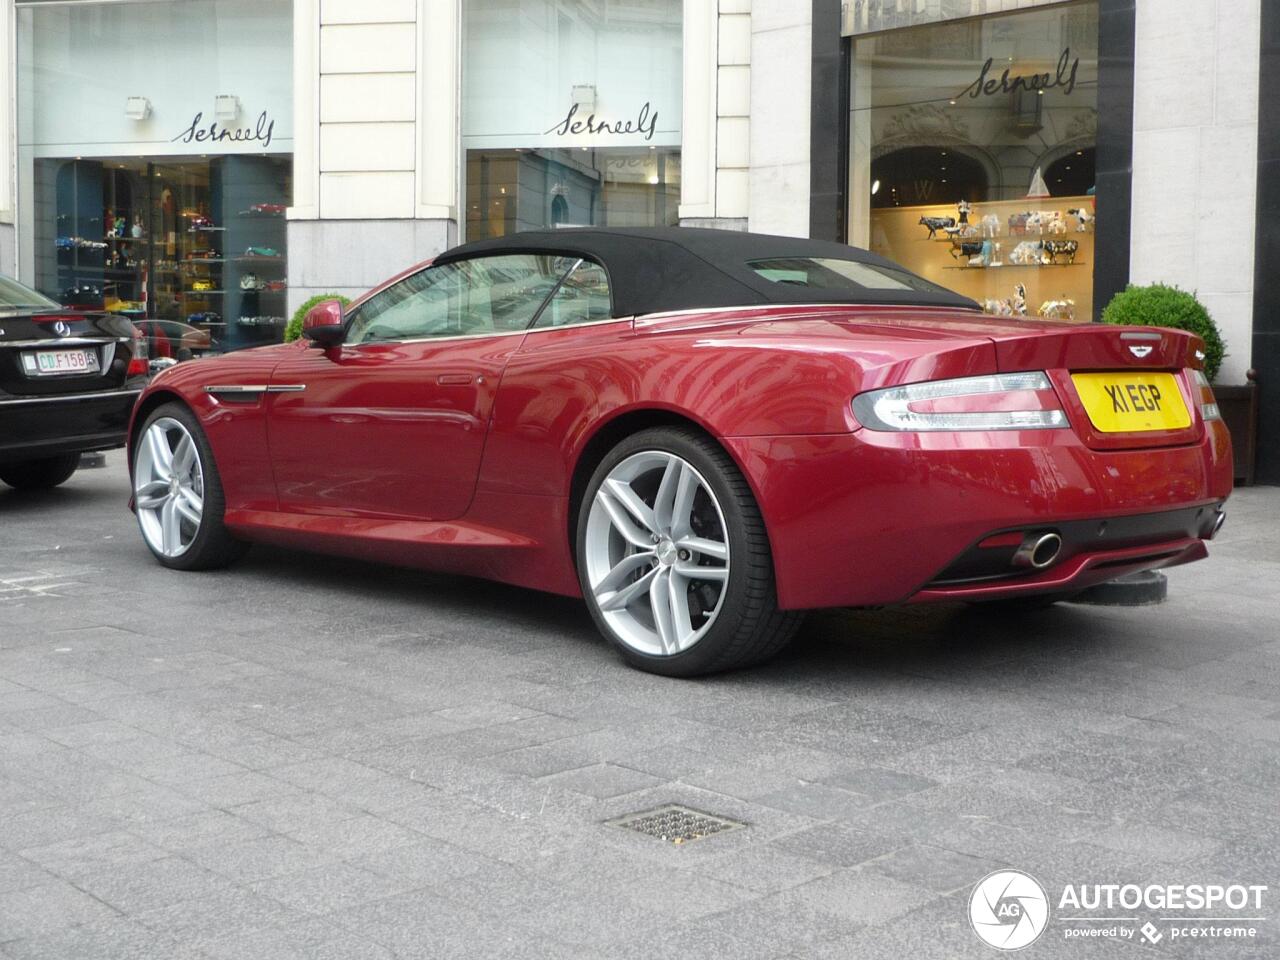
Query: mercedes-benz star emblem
(1140, 351)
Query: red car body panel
(461, 455)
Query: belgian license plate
(43, 362)
(1132, 402)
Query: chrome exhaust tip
(1218, 521)
(1038, 550)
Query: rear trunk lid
(52, 352)
(1122, 387)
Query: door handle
(454, 379)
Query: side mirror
(323, 324)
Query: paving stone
(335, 886)
(602, 780)
(934, 868)
(115, 937)
(230, 913)
(877, 783)
(146, 886)
(259, 859)
(39, 911)
(71, 858)
(309, 758)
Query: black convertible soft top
(658, 269)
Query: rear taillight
(1208, 403)
(1005, 401)
(139, 365)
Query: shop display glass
(156, 186)
(972, 155)
(589, 133)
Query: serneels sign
(986, 85)
(260, 132)
(646, 122)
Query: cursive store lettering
(987, 85)
(260, 132)
(646, 122)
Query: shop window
(571, 114)
(154, 165)
(196, 243)
(972, 155)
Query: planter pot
(1239, 406)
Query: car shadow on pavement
(14, 503)
(950, 638)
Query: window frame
(353, 311)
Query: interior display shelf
(1018, 266)
(197, 294)
(258, 261)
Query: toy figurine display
(934, 224)
(1083, 218)
(1041, 242)
(1063, 308)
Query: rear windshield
(14, 295)
(828, 273)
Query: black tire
(43, 474)
(749, 628)
(214, 546)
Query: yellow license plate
(1132, 402)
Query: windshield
(14, 295)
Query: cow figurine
(934, 224)
(1083, 218)
(1057, 223)
(1064, 309)
(1018, 224)
(1053, 249)
(1029, 252)
(990, 225)
(966, 249)
(1019, 300)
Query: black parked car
(68, 381)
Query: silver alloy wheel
(168, 487)
(657, 553)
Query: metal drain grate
(675, 824)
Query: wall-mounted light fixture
(137, 108)
(584, 96)
(226, 106)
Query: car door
(392, 422)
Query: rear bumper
(34, 427)
(873, 518)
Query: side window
(462, 298)
(583, 297)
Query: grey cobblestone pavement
(309, 757)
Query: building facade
(217, 162)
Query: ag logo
(1008, 910)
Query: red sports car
(702, 433)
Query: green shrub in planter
(1160, 306)
(293, 329)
